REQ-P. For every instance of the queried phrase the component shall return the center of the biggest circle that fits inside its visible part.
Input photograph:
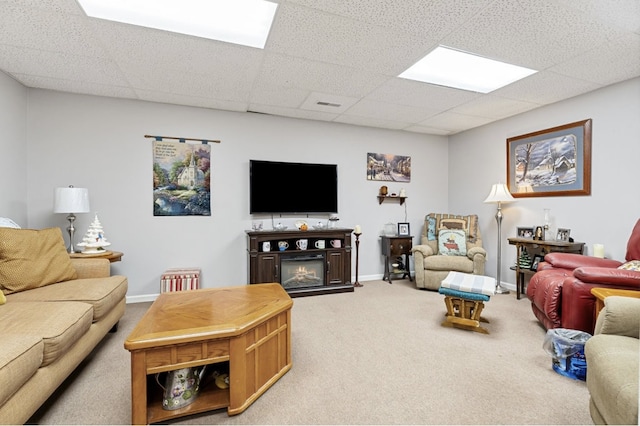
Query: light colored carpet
(375, 356)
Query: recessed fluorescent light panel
(460, 70)
(245, 22)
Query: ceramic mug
(266, 246)
(336, 243)
(302, 244)
(319, 244)
(283, 245)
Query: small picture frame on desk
(403, 229)
(536, 260)
(563, 234)
(538, 233)
(525, 232)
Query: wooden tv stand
(264, 266)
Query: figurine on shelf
(94, 240)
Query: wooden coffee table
(247, 326)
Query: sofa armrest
(608, 276)
(425, 250)
(620, 316)
(573, 260)
(473, 251)
(92, 267)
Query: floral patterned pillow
(633, 265)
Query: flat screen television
(279, 187)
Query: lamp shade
(499, 194)
(71, 200)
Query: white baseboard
(375, 277)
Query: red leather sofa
(560, 292)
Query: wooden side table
(534, 247)
(396, 247)
(113, 256)
(602, 293)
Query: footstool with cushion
(465, 295)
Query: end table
(396, 247)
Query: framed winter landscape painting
(551, 162)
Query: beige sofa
(612, 362)
(49, 328)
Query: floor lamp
(499, 194)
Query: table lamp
(71, 200)
(499, 194)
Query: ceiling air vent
(328, 104)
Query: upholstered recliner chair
(448, 243)
(560, 292)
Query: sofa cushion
(448, 263)
(20, 358)
(103, 294)
(452, 242)
(59, 324)
(612, 377)
(32, 258)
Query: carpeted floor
(375, 356)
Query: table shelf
(538, 247)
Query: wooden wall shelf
(382, 198)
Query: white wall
(99, 143)
(13, 150)
(477, 159)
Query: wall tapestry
(388, 167)
(181, 179)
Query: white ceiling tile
(292, 112)
(196, 101)
(60, 66)
(422, 95)
(317, 76)
(72, 86)
(311, 34)
(621, 13)
(605, 64)
(454, 122)
(493, 107)
(371, 122)
(48, 30)
(288, 97)
(428, 130)
(387, 111)
(546, 87)
(63, 6)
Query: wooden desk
(247, 326)
(602, 293)
(113, 256)
(534, 247)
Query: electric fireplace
(302, 271)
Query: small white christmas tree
(94, 240)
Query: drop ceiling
(334, 60)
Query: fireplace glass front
(300, 271)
